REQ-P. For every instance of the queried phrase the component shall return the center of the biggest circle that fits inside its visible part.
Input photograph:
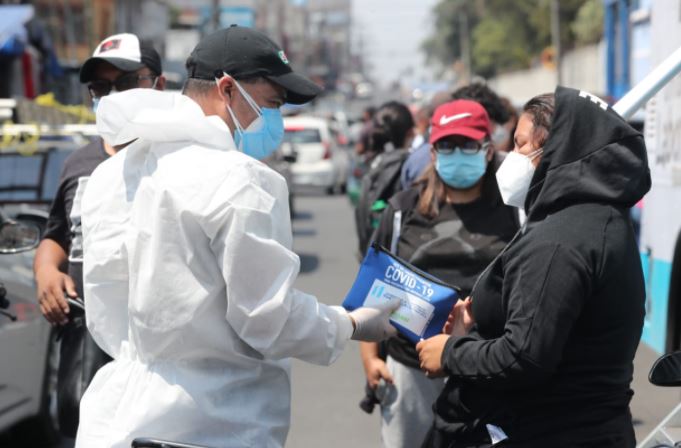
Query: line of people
(540, 242)
(187, 269)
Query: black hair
(482, 94)
(541, 109)
(391, 124)
(195, 87)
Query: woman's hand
(430, 354)
(460, 319)
(375, 369)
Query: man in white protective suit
(188, 267)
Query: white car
(28, 371)
(320, 160)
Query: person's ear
(490, 152)
(433, 154)
(226, 89)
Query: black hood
(592, 155)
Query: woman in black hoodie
(558, 315)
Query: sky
(392, 33)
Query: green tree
(507, 34)
(507, 37)
(497, 43)
(588, 25)
(443, 45)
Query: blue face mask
(95, 103)
(459, 170)
(264, 135)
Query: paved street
(325, 411)
(325, 400)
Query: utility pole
(70, 34)
(215, 18)
(555, 38)
(465, 44)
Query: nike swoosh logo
(445, 119)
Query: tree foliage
(508, 34)
(588, 28)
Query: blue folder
(426, 300)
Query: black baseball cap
(125, 52)
(246, 53)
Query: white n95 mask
(514, 177)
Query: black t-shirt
(63, 225)
(455, 247)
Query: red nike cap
(459, 117)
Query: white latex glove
(372, 324)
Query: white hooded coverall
(188, 275)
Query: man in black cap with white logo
(120, 62)
(243, 77)
(188, 265)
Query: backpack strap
(403, 202)
(397, 229)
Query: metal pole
(215, 19)
(465, 41)
(555, 38)
(70, 33)
(649, 86)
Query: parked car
(29, 177)
(321, 159)
(281, 163)
(28, 346)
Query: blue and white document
(426, 300)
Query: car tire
(330, 190)
(344, 188)
(42, 430)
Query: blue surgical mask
(95, 104)
(459, 170)
(264, 135)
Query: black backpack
(378, 186)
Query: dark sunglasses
(103, 87)
(470, 147)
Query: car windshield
(302, 136)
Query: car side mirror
(667, 370)
(18, 237)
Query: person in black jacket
(557, 317)
(451, 224)
(386, 149)
(120, 62)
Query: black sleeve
(545, 291)
(58, 223)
